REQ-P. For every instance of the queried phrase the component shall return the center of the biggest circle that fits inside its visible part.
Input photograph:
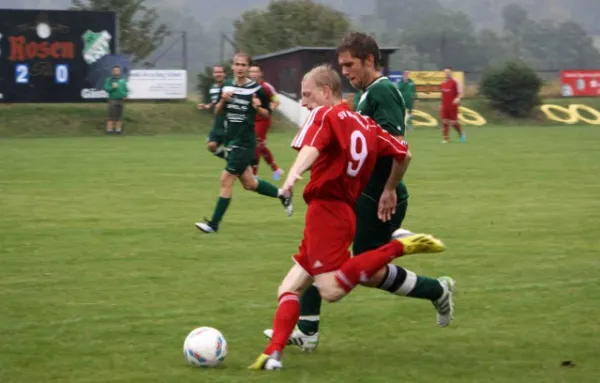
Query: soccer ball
(205, 347)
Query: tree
(288, 23)
(512, 88)
(397, 13)
(139, 31)
(447, 37)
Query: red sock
(286, 317)
(268, 156)
(445, 131)
(457, 128)
(365, 265)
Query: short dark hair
(360, 45)
(116, 67)
(256, 65)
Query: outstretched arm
(306, 158)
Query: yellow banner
(428, 82)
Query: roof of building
(301, 48)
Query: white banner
(149, 84)
(157, 84)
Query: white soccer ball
(205, 347)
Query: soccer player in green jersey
(408, 90)
(239, 101)
(359, 58)
(216, 137)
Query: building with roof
(284, 69)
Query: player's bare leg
(109, 126)
(118, 125)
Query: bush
(205, 80)
(512, 89)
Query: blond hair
(325, 76)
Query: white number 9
(358, 158)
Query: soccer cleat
(307, 343)
(206, 226)
(445, 304)
(287, 204)
(444, 141)
(420, 243)
(399, 233)
(277, 174)
(267, 362)
(463, 137)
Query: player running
(263, 124)
(408, 90)
(451, 95)
(239, 101)
(340, 148)
(358, 55)
(216, 137)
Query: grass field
(102, 273)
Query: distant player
(408, 90)
(451, 95)
(359, 57)
(216, 137)
(264, 123)
(239, 101)
(340, 148)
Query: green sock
(404, 282)
(310, 311)
(426, 288)
(220, 209)
(267, 189)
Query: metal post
(184, 49)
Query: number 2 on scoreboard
(22, 73)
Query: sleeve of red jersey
(390, 146)
(316, 131)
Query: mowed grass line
(102, 273)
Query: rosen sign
(46, 56)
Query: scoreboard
(52, 56)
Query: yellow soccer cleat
(266, 362)
(420, 243)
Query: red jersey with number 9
(349, 145)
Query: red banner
(580, 83)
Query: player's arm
(313, 138)
(459, 93)
(389, 145)
(260, 101)
(220, 103)
(273, 99)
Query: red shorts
(449, 113)
(261, 127)
(328, 234)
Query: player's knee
(331, 293)
(212, 146)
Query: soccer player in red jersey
(340, 148)
(263, 124)
(451, 95)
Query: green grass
(89, 119)
(102, 273)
